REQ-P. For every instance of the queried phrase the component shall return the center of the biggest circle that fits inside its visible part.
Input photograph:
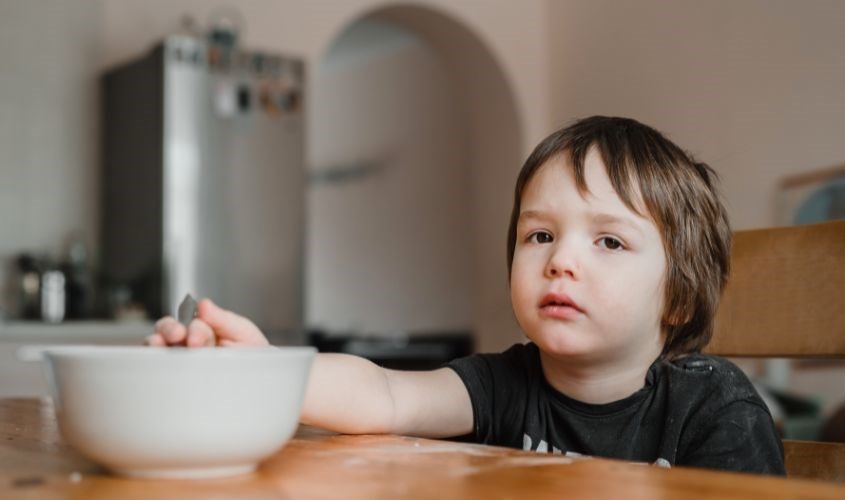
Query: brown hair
(680, 196)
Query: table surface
(35, 463)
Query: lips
(559, 301)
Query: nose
(562, 262)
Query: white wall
(756, 88)
(48, 127)
(391, 250)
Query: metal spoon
(187, 310)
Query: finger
(155, 340)
(171, 330)
(163, 321)
(200, 334)
(228, 325)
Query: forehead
(553, 189)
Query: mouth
(559, 305)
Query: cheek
(656, 295)
(517, 288)
(651, 297)
(636, 296)
(520, 286)
(616, 302)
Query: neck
(597, 383)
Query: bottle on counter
(79, 288)
(29, 287)
(53, 295)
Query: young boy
(618, 250)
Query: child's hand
(212, 326)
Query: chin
(563, 344)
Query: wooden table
(35, 463)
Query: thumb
(229, 328)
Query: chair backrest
(786, 298)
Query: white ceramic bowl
(178, 412)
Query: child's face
(607, 259)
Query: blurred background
(342, 170)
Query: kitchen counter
(19, 378)
(35, 463)
(75, 331)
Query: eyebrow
(595, 217)
(531, 214)
(603, 218)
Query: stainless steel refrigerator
(203, 181)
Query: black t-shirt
(699, 411)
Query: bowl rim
(93, 351)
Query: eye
(610, 243)
(540, 237)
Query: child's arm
(353, 395)
(345, 393)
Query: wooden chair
(786, 298)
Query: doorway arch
(492, 153)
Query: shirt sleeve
(740, 437)
(493, 382)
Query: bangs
(640, 166)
